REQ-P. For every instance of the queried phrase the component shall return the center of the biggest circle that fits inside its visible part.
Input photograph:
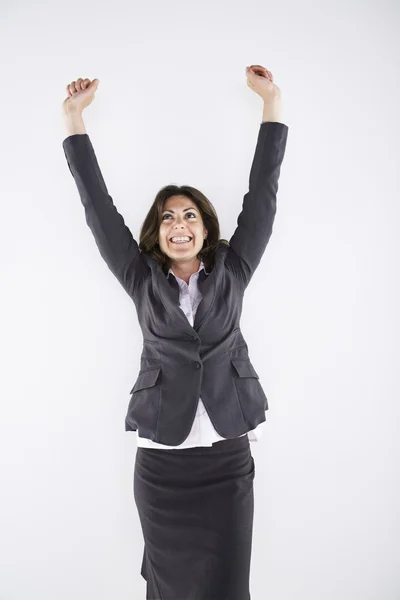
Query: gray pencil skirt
(196, 509)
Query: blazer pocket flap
(244, 367)
(146, 379)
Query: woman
(197, 400)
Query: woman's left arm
(255, 221)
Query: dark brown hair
(148, 240)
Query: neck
(184, 270)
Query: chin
(188, 253)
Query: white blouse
(203, 432)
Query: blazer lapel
(168, 290)
(207, 287)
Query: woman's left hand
(261, 82)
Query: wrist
(272, 111)
(74, 122)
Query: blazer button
(198, 366)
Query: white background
(320, 316)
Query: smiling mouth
(186, 242)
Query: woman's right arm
(113, 238)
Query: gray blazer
(180, 363)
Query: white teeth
(180, 239)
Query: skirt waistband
(220, 447)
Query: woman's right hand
(80, 94)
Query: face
(181, 217)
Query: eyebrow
(184, 210)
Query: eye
(188, 213)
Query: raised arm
(113, 238)
(255, 221)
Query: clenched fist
(80, 94)
(260, 80)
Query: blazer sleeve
(255, 221)
(113, 238)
